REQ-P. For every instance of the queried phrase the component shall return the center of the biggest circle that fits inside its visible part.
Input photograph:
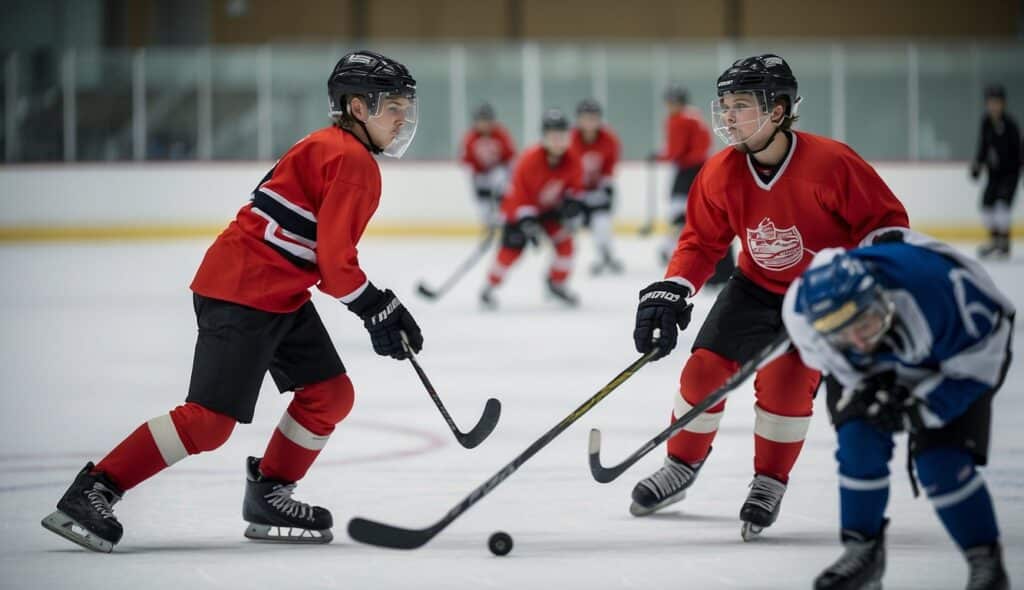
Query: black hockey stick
(484, 426)
(652, 203)
(606, 474)
(384, 535)
(468, 263)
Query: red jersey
(597, 158)
(300, 229)
(537, 186)
(483, 152)
(687, 139)
(822, 195)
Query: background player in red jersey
(252, 303)
(687, 141)
(488, 150)
(544, 196)
(787, 194)
(597, 147)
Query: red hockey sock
(305, 428)
(561, 266)
(703, 373)
(163, 441)
(785, 396)
(506, 258)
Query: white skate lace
(669, 479)
(101, 503)
(281, 498)
(855, 557)
(765, 493)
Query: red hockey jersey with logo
(822, 195)
(300, 228)
(598, 158)
(484, 152)
(687, 139)
(538, 187)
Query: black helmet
(484, 112)
(588, 105)
(677, 94)
(995, 91)
(554, 120)
(767, 72)
(370, 74)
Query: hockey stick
(652, 203)
(468, 263)
(384, 535)
(484, 426)
(606, 474)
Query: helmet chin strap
(767, 143)
(370, 145)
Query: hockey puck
(500, 543)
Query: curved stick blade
(376, 533)
(600, 474)
(425, 291)
(483, 428)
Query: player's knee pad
(322, 405)
(201, 429)
(704, 372)
(945, 471)
(864, 451)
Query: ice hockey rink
(98, 337)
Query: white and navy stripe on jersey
(291, 229)
(951, 339)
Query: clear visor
(395, 117)
(736, 117)
(864, 332)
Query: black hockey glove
(893, 236)
(572, 210)
(887, 405)
(516, 235)
(385, 319)
(662, 307)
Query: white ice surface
(99, 338)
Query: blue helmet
(835, 295)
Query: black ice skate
(560, 293)
(985, 568)
(273, 515)
(665, 486)
(761, 508)
(85, 513)
(487, 298)
(990, 250)
(860, 567)
(607, 263)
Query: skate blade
(638, 510)
(750, 531)
(284, 534)
(65, 526)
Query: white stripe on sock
(956, 496)
(781, 429)
(863, 485)
(167, 440)
(703, 424)
(300, 435)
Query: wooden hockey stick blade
(483, 428)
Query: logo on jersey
(592, 162)
(487, 151)
(775, 248)
(551, 193)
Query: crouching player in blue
(914, 337)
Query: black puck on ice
(500, 543)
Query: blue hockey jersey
(950, 340)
